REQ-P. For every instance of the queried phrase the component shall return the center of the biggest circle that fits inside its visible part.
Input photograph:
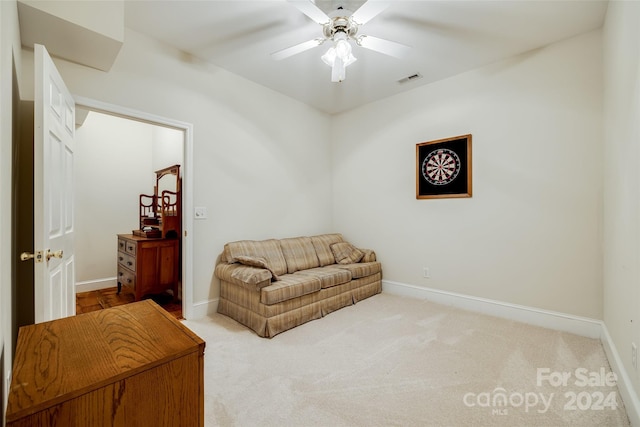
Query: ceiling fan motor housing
(340, 24)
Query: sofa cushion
(329, 276)
(322, 245)
(243, 275)
(299, 253)
(268, 249)
(362, 269)
(346, 253)
(259, 262)
(288, 287)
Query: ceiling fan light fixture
(337, 64)
(329, 57)
(338, 71)
(339, 57)
(343, 49)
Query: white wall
(622, 179)
(85, 32)
(103, 17)
(5, 142)
(530, 234)
(9, 43)
(113, 166)
(261, 160)
(168, 147)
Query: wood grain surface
(129, 365)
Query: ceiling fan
(341, 26)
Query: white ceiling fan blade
(387, 47)
(294, 50)
(368, 11)
(311, 10)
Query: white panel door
(54, 293)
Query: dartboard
(441, 166)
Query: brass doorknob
(56, 254)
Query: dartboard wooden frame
(443, 168)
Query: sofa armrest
(252, 278)
(369, 255)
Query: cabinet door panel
(148, 270)
(166, 264)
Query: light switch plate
(200, 213)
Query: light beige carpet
(396, 361)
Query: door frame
(187, 183)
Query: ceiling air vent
(410, 78)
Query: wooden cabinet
(148, 265)
(131, 365)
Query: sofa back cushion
(268, 249)
(299, 254)
(322, 245)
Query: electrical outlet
(634, 356)
(425, 272)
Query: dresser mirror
(160, 212)
(168, 179)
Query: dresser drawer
(122, 244)
(127, 261)
(130, 248)
(126, 278)
(127, 246)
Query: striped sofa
(274, 285)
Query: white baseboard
(203, 309)
(94, 285)
(629, 396)
(583, 326)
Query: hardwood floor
(87, 302)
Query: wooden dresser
(131, 365)
(148, 265)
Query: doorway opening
(119, 165)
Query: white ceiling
(446, 37)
